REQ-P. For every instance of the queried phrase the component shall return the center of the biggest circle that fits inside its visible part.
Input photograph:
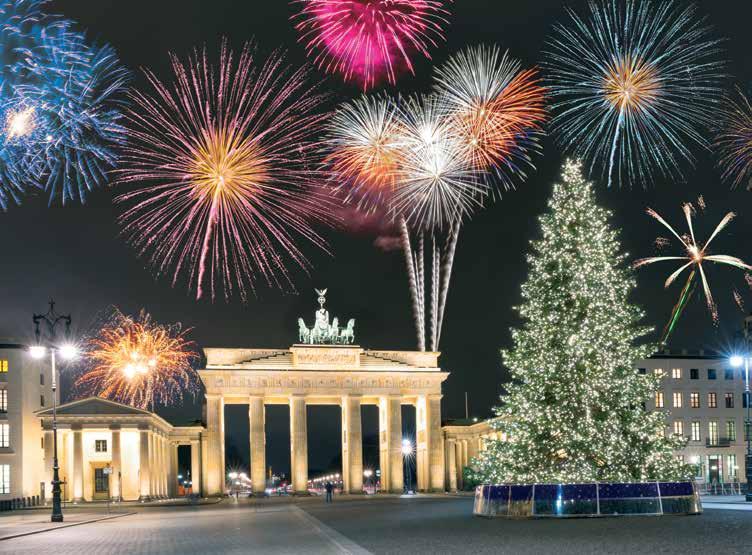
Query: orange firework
(497, 109)
(138, 362)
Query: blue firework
(60, 100)
(634, 87)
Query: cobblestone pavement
(384, 525)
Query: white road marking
(342, 543)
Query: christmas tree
(574, 409)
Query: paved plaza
(431, 524)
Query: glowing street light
(407, 453)
(737, 361)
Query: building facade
(24, 389)
(107, 450)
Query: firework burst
(227, 156)
(695, 254)
(365, 150)
(634, 86)
(734, 142)
(496, 109)
(370, 40)
(138, 362)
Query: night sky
(74, 254)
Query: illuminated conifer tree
(573, 411)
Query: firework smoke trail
(695, 255)
(414, 295)
(734, 142)
(135, 361)
(224, 157)
(369, 40)
(446, 273)
(635, 85)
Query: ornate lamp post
(67, 351)
(737, 362)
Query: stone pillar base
(78, 500)
(143, 498)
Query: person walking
(329, 488)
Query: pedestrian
(329, 488)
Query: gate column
(256, 418)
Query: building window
(712, 400)
(695, 431)
(4, 478)
(676, 373)
(101, 481)
(731, 430)
(3, 365)
(641, 371)
(694, 400)
(678, 428)
(711, 373)
(659, 399)
(744, 400)
(694, 374)
(728, 398)
(728, 374)
(713, 433)
(731, 466)
(3, 400)
(100, 445)
(41, 400)
(677, 398)
(4, 435)
(41, 379)
(658, 373)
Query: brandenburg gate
(326, 368)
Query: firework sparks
(365, 150)
(436, 183)
(370, 40)
(227, 155)
(734, 142)
(138, 362)
(634, 87)
(496, 109)
(695, 254)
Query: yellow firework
(138, 362)
(631, 84)
(695, 254)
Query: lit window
(728, 374)
(677, 398)
(658, 372)
(100, 445)
(731, 466)
(3, 400)
(676, 373)
(659, 399)
(3, 365)
(731, 430)
(678, 428)
(712, 401)
(695, 431)
(4, 435)
(694, 400)
(729, 400)
(694, 374)
(4, 478)
(711, 373)
(713, 433)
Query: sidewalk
(23, 523)
(123, 505)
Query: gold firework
(630, 84)
(694, 255)
(138, 362)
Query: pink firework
(225, 160)
(370, 40)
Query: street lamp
(67, 351)
(367, 473)
(737, 361)
(407, 451)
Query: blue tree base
(587, 500)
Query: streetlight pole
(737, 361)
(51, 319)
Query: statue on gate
(323, 332)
